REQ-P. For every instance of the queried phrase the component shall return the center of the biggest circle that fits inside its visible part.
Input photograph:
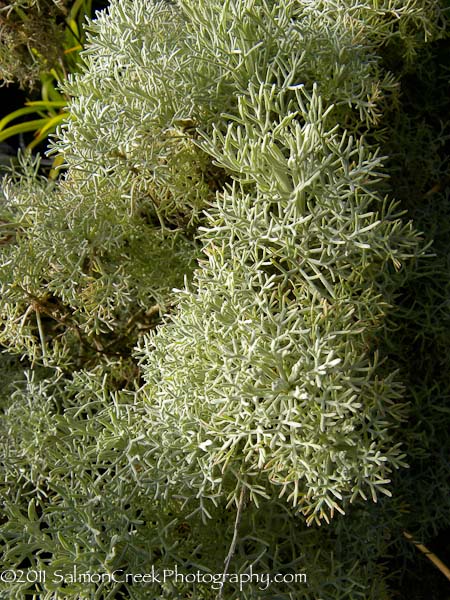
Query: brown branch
(430, 555)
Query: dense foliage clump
(210, 319)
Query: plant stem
(232, 549)
(430, 555)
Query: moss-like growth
(31, 39)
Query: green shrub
(274, 396)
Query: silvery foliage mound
(266, 382)
(266, 379)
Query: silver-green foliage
(152, 66)
(92, 252)
(69, 502)
(266, 377)
(80, 268)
